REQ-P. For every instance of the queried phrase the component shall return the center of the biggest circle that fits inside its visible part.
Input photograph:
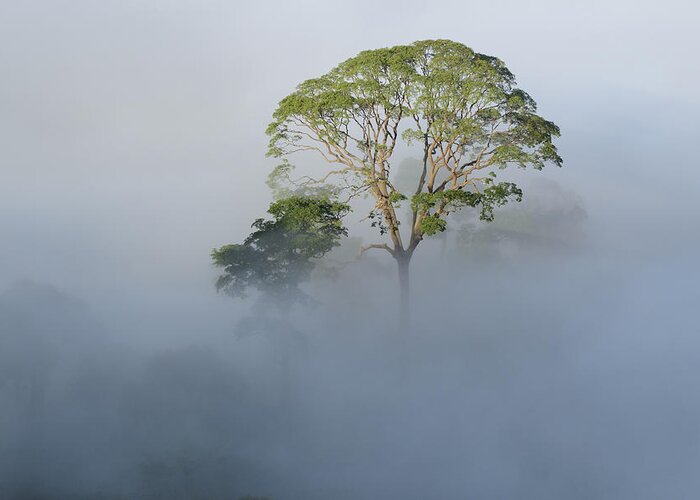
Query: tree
(281, 253)
(459, 108)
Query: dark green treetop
(281, 252)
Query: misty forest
(315, 251)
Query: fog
(556, 361)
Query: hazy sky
(131, 132)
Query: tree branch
(380, 246)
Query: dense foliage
(281, 252)
(460, 108)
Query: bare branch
(379, 246)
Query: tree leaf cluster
(282, 251)
(436, 206)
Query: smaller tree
(280, 253)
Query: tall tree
(460, 109)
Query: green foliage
(376, 219)
(282, 186)
(461, 108)
(278, 180)
(438, 205)
(396, 197)
(454, 93)
(432, 224)
(281, 252)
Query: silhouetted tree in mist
(281, 253)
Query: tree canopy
(281, 252)
(461, 108)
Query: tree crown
(280, 253)
(462, 108)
